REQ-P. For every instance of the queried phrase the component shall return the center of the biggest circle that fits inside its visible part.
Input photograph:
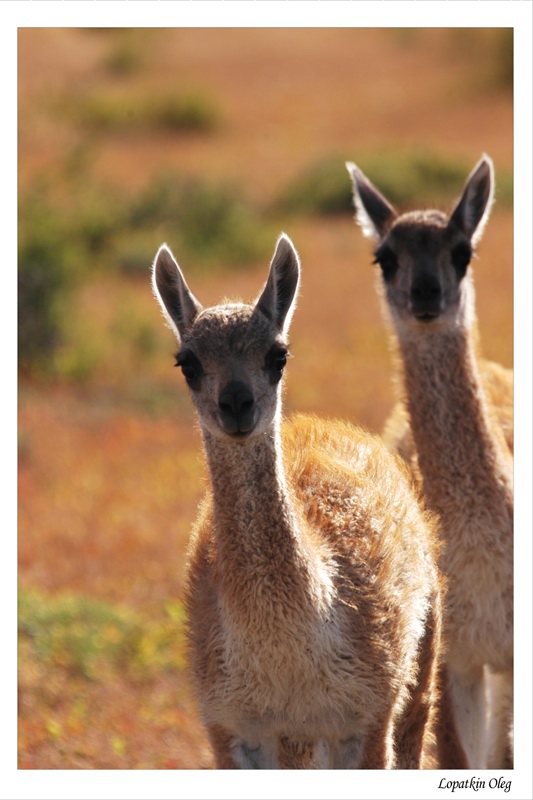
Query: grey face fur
(232, 355)
(424, 255)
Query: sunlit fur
(454, 427)
(313, 596)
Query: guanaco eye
(280, 360)
(190, 367)
(275, 362)
(461, 255)
(386, 258)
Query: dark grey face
(232, 362)
(426, 294)
(236, 404)
(423, 261)
(238, 410)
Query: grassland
(213, 140)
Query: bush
(212, 225)
(47, 259)
(93, 639)
(79, 228)
(58, 241)
(322, 188)
(124, 112)
(407, 178)
(126, 53)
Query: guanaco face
(424, 256)
(232, 356)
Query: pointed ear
(373, 212)
(278, 299)
(472, 210)
(179, 305)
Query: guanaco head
(424, 255)
(232, 355)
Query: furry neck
(457, 440)
(250, 495)
(261, 537)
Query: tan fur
(313, 595)
(454, 427)
(330, 647)
(498, 388)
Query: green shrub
(187, 112)
(407, 178)
(80, 228)
(126, 54)
(59, 240)
(211, 225)
(322, 188)
(47, 264)
(91, 638)
(416, 177)
(132, 111)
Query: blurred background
(213, 140)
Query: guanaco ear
(373, 213)
(179, 305)
(278, 299)
(472, 210)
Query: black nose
(236, 404)
(426, 297)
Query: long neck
(262, 548)
(462, 456)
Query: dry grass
(110, 469)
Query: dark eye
(461, 255)
(386, 258)
(280, 360)
(275, 362)
(191, 368)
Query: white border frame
(70, 785)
